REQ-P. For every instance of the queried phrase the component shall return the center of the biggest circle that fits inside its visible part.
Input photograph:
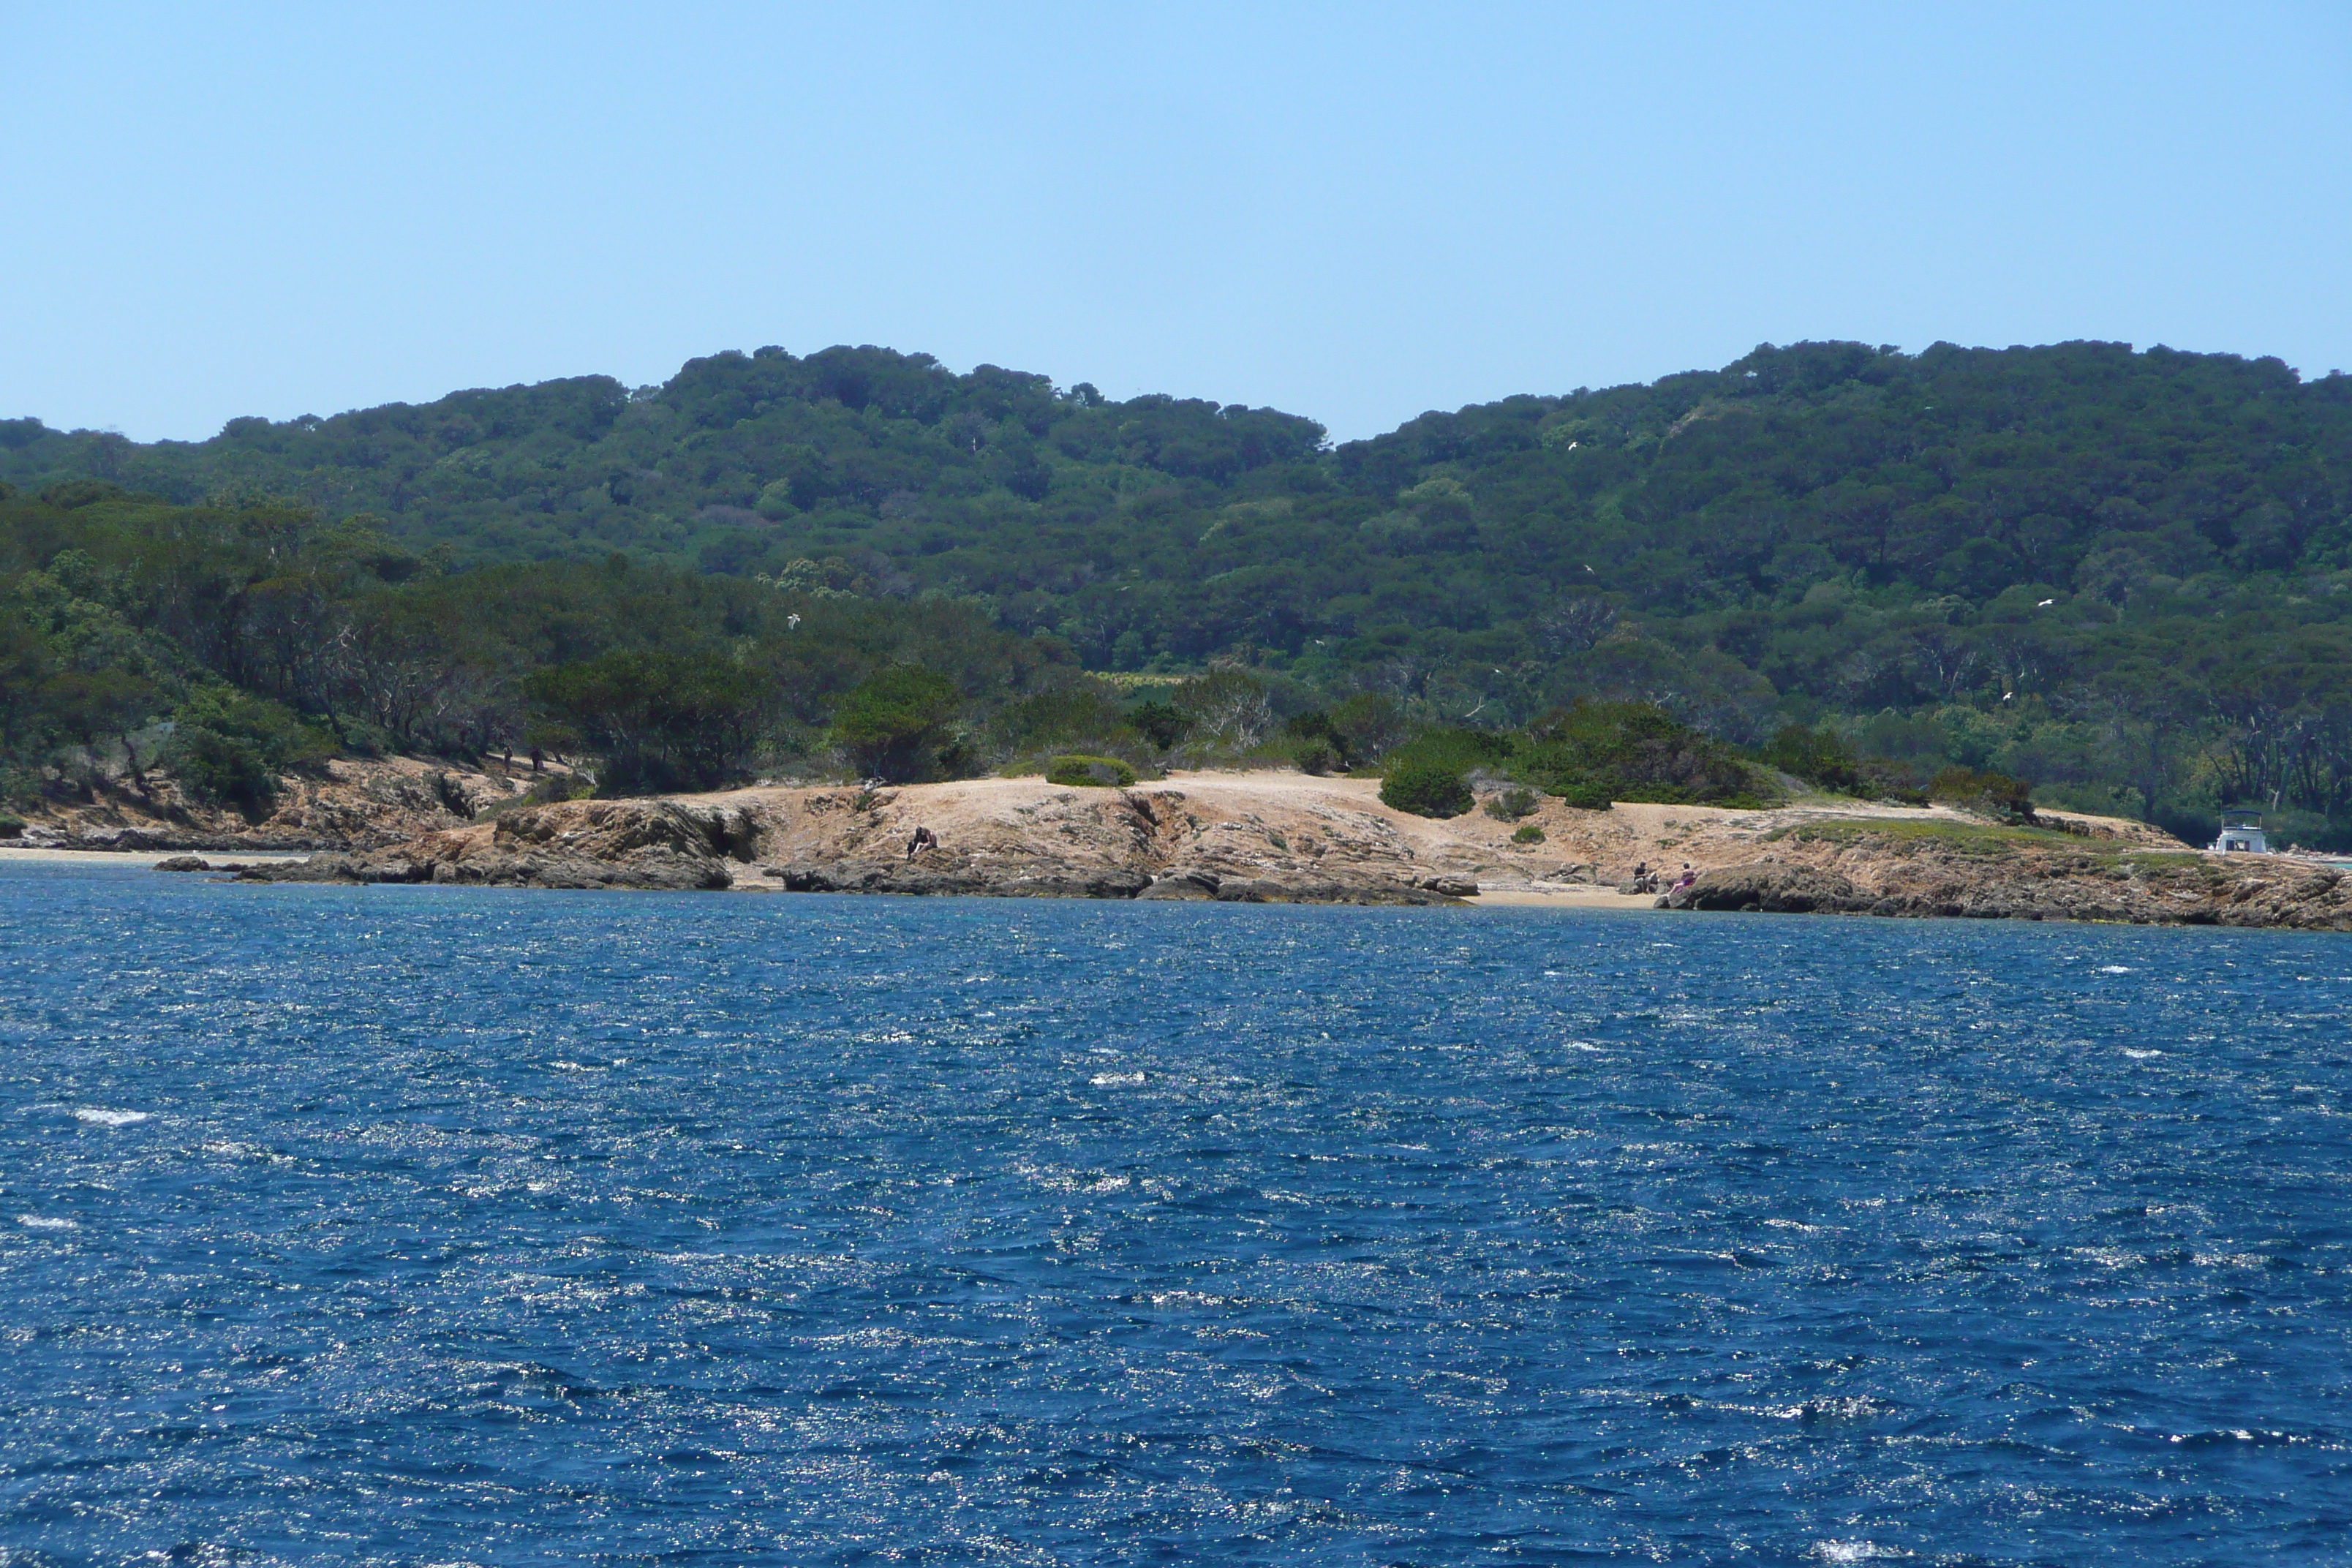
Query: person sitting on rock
(1689, 876)
(924, 838)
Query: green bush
(222, 770)
(272, 732)
(228, 749)
(1162, 723)
(1512, 803)
(548, 789)
(1360, 731)
(1596, 752)
(894, 723)
(1822, 758)
(1105, 771)
(1876, 778)
(1426, 787)
(1528, 832)
(1817, 756)
(1460, 749)
(1996, 795)
(11, 824)
(1587, 794)
(1072, 715)
(659, 720)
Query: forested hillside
(2121, 575)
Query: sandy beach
(140, 859)
(1563, 897)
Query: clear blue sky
(1355, 213)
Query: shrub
(222, 770)
(1103, 772)
(960, 759)
(1821, 758)
(894, 723)
(1074, 715)
(272, 732)
(1876, 778)
(1528, 832)
(1587, 794)
(1512, 805)
(1426, 787)
(1595, 752)
(660, 720)
(1367, 725)
(1162, 723)
(550, 788)
(1229, 705)
(18, 784)
(1817, 756)
(227, 749)
(11, 824)
(1461, 749)
(1313, 735)
(1995, 796)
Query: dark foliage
(660, 720)
(1162, 723)
(222, 771)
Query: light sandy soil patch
(142, 859)
(1564, 898)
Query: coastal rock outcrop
(1273, 838)
(996, 838)
(353, 804)
(1991, 875)
(1772, 889)
(654, 845)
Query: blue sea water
(435, 1225)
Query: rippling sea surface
(437, 1225)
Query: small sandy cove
(139, 859)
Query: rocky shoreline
(1877, 875)
(1258, 837)
(996, 838)
(1287, 837)
(355, 804)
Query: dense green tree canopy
(2123, 574)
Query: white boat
(2242, 834)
